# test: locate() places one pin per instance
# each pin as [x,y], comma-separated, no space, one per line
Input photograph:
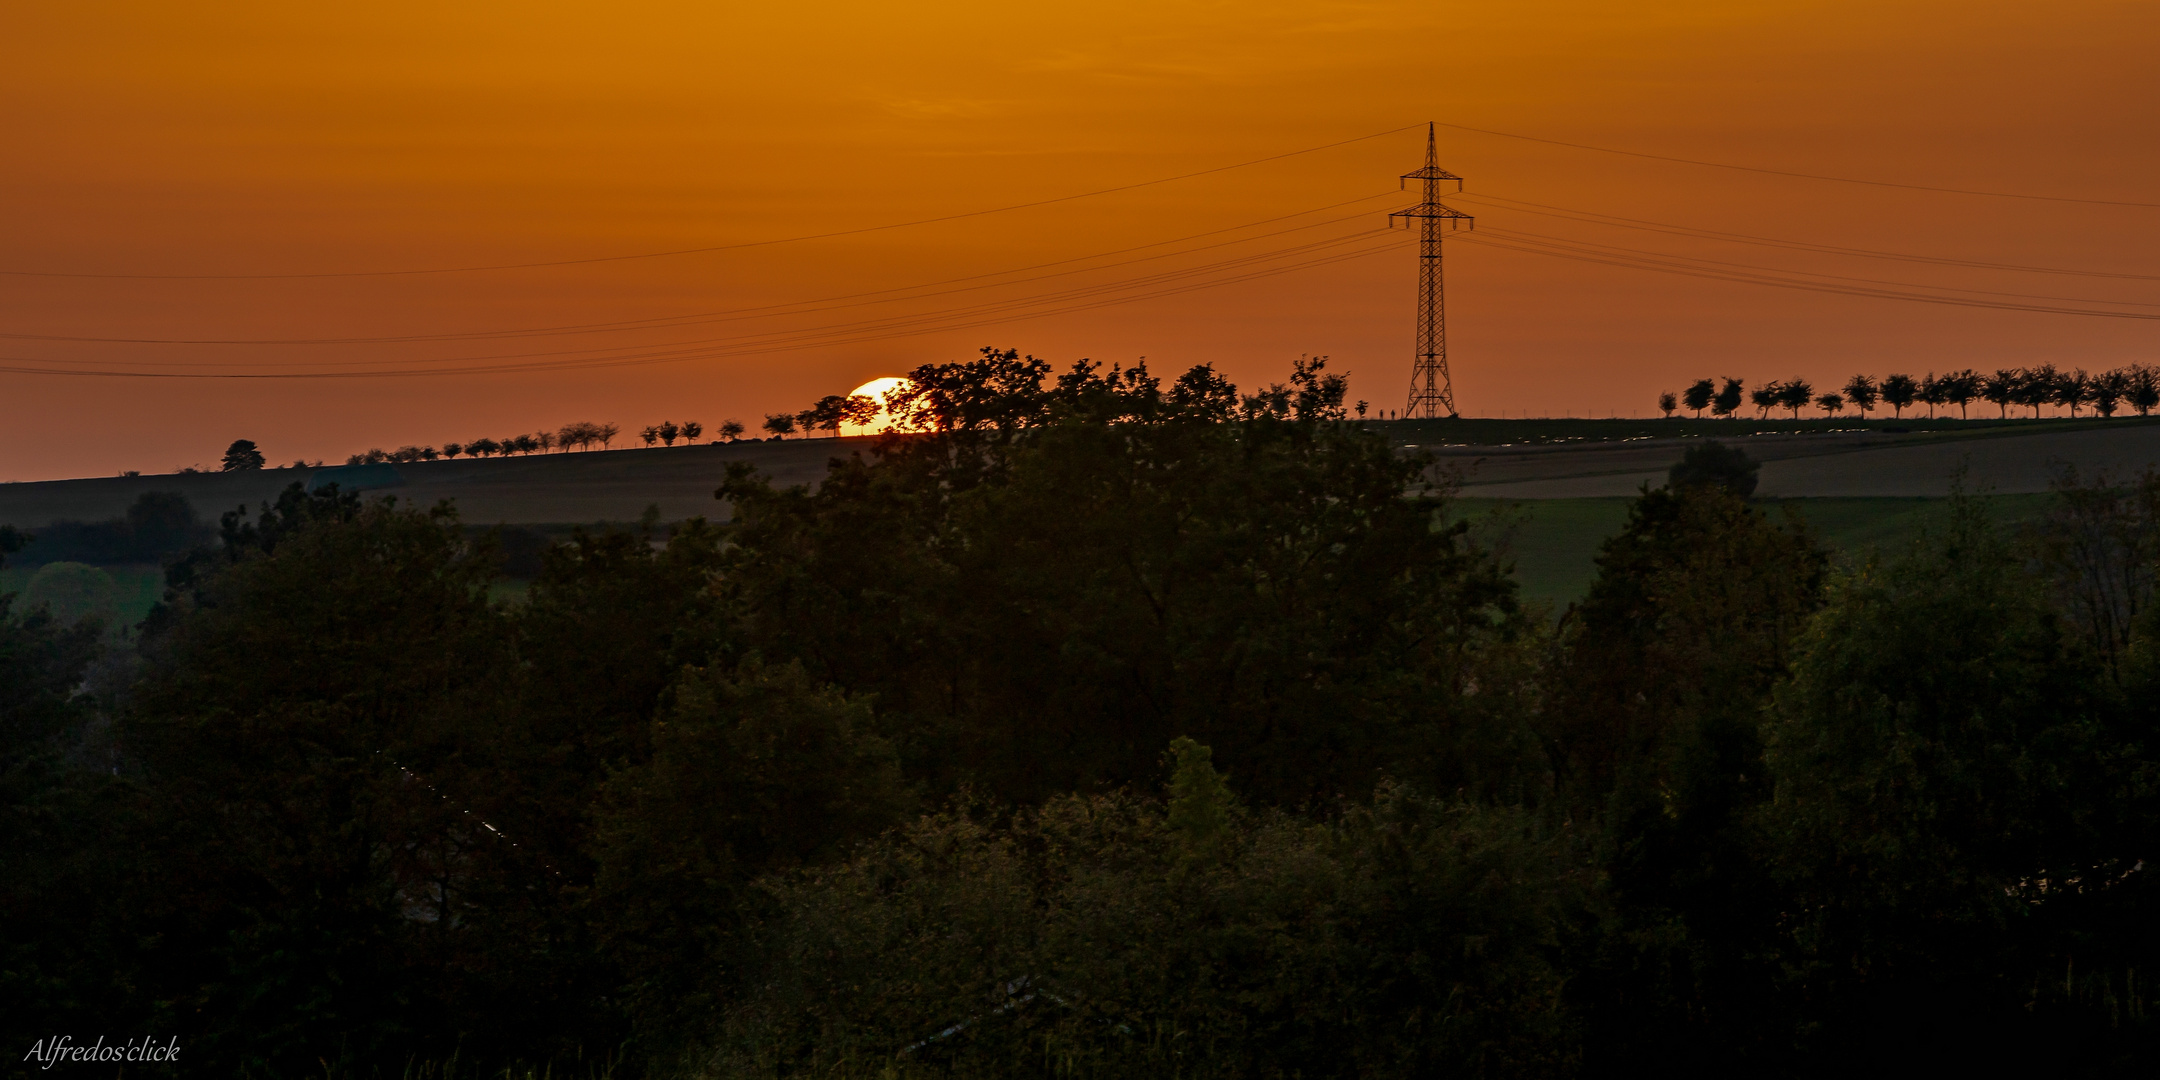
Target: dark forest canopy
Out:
[158,524]
[1105,727]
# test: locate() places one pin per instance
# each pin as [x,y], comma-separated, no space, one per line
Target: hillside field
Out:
[1552,490]
[1553,543]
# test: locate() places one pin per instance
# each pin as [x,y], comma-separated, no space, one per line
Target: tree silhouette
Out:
[731,429]
[1666,403]
[452,450]
[780,425]
[1699,395]
[1863,393]
[2036,388]
[1961,388]
[581,434]
[1830,403]
[607,435]
[692,430]
[2071,389]
[1729,398]
[1898,392]
[2109,388]
[1766,398]
[242,456]
[2144,394]
[860,409]
[2001,389]
[651,434]
[1796,394]
[12,540]
[826,413]
[1713,463]
[668,432]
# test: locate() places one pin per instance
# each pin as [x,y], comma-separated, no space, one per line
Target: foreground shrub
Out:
[1111,935]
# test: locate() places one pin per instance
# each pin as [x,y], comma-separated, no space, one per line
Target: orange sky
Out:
[278,138]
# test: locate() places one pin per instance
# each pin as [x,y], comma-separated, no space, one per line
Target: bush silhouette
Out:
[1714,463]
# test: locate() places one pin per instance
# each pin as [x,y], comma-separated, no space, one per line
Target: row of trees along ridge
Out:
[582,435]
[2136,387]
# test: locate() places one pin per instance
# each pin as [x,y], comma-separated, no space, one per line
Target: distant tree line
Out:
[827,414]
[2136,388]
[1109,725]
[157,524]
[582,435]
[667,431]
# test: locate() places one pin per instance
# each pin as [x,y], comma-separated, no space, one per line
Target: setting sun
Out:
[875,388]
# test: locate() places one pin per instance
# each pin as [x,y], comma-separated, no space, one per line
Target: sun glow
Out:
[875,388]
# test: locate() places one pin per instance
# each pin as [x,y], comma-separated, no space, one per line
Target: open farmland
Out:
[1553,490]
[1553,543]
[1808,460]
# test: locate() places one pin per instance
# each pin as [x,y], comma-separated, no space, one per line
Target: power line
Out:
[1513,234]
[1660,264]
[905,319]
[1207,275]
[1592,217]
[1067,301]
[798,307]
[1801,175]
[716,247]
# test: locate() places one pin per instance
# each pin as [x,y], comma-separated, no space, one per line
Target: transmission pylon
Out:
[1432,392]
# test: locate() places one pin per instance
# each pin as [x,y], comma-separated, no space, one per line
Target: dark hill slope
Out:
[572,488]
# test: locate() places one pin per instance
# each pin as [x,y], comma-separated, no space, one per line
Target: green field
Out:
[1554,542]
[136,588]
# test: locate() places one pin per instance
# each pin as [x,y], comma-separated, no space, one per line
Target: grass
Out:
[1554,542]
[139,587]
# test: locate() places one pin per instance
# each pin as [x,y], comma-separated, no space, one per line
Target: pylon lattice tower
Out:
[1432,392]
